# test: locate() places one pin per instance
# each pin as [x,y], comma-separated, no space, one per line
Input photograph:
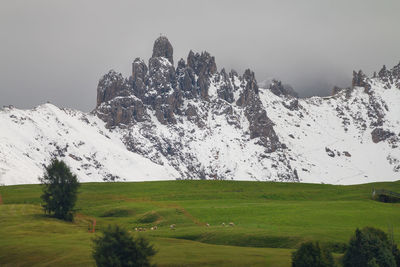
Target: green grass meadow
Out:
[270,221]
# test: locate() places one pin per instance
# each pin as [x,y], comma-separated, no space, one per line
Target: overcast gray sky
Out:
[57,50]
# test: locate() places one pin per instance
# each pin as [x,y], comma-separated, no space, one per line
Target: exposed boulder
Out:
[292,105]
[163,48]
[379,134]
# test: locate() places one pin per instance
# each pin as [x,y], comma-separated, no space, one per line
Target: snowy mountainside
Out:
[195,122]
[330,138]
[30,138]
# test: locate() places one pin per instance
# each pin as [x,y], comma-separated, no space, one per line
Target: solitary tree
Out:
[312,255]
[117,248]
[60,188]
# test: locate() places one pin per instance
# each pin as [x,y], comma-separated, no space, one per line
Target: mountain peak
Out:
[163,48]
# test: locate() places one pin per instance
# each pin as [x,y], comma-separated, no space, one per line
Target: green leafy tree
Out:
[311,255]
[396,254]
[60,189]
[369,247]
[119,249]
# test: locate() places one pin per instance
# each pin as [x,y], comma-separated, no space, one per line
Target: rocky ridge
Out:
[193,121]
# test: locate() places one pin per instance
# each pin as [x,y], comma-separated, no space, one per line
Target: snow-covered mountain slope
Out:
[330,138]
[30,138]
[194,122]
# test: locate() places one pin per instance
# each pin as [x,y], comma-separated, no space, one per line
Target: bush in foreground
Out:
[119,249]
[370,247]
[60,188]
[311,255]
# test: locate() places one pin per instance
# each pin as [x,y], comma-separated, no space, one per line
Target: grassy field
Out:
[271,220]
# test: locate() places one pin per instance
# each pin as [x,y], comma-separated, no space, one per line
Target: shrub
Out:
[369,247]
[119,249]
[311,255]
[60,188]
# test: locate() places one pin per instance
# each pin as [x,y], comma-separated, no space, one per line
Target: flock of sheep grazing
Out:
[173,226]
[140,229]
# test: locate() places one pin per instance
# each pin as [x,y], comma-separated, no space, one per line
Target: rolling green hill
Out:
[270,220]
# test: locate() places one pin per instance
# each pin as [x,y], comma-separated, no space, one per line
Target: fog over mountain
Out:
[57,50]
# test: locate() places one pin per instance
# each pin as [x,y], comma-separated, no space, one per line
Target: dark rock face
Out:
[161,94]
[390,77]
[336,90]
[279,89]
[186,80]
[260,125]
[204,67]
[160,89]
[122,111]
[163,48]
[360,80]
[202,64]
[111,85]
[225,90]
[139,77]
[250,92]
[115,103]
[396,71]
[379,134]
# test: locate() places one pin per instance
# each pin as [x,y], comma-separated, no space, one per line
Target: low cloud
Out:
[57,50]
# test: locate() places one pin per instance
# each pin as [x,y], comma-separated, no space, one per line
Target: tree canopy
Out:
[60,188]
[369,247]
[116,247]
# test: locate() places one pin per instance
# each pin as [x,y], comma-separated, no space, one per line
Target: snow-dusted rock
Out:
[194,122]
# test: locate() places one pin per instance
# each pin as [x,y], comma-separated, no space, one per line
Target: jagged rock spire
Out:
[202,64]
[360,80]
[383,73]
[163,48]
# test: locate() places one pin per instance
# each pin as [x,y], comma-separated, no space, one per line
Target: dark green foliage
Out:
[60,188]
[311,255]
[369,247]
[335,247]
[372,263]
[396,254]
[119,249]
